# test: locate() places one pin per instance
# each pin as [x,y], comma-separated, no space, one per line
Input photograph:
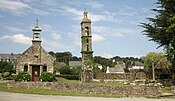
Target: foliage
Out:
[11,77]
[161,28]
[105,62]
[158,59]
[6,74]
[62,56]
[47,77]
[69,77]
[70,70]
[6,67]
[23,76]
[65,70]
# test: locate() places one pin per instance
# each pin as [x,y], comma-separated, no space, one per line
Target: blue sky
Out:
[115,30]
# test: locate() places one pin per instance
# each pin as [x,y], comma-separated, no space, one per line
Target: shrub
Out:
[69,77]
[11,77]
[47,77]
[23,76]
[6,74]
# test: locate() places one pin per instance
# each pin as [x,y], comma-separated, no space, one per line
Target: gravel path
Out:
[6,96]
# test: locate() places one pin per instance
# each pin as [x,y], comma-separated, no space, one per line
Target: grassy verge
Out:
[62,80]
[40,91]
[166,90]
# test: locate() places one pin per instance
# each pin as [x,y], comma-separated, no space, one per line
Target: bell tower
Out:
[86,51]
[36,41]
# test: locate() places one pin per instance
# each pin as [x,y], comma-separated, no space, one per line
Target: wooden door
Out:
[35,73]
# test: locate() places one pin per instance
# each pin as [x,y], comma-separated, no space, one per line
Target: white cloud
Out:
[77,14]
[115,32]
[46,27]
[38,11]
[20,8]
[106,31]
[95,4]
[54,45]
[15,29]
[75,37]
[12,5]
[16,7]
[17,38]
[56,36]
[106,55]
[97,38]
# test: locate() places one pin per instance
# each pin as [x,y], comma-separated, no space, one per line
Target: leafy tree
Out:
[154,61]
[6,67]
[161,28]
[65,70]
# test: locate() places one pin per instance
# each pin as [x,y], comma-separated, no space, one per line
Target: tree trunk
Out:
[153,71]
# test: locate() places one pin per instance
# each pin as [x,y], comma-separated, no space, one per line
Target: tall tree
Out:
[161,28]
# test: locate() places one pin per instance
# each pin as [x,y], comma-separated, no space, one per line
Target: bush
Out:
[6,74]
[23,76]
[70,77]
[11,77]
[47,77]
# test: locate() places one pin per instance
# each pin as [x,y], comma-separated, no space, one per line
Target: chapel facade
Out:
[35,59]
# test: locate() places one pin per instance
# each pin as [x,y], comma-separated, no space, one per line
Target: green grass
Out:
[62,80]
[166,90]
[41,91]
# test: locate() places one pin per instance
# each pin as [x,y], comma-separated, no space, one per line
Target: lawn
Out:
[62,80]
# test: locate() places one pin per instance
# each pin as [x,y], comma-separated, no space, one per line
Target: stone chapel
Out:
[35,59]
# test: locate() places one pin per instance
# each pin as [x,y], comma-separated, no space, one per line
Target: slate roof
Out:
[8,57]
[137,63]
[74,63]
[115,70]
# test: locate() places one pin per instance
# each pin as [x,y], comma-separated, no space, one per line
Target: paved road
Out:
[6,96]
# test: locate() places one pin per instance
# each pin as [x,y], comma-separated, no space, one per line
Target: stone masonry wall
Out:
[134,75]
[146,91]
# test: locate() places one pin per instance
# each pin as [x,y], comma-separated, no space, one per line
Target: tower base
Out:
[86,76]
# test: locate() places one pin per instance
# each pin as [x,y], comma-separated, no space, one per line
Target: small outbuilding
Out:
[35,59]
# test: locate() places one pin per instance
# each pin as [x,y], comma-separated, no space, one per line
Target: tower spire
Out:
[37,22]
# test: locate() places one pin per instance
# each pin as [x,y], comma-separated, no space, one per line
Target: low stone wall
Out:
[131,76]
[146,91]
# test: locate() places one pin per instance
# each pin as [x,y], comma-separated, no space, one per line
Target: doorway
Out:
[35,72]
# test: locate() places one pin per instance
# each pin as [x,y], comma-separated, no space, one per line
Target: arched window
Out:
[86,31]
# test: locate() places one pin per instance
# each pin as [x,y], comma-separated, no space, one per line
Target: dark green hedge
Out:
[47,77]
[69,77]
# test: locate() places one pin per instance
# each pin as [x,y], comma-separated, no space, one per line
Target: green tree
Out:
[154,61]
[161,28]
[6,67]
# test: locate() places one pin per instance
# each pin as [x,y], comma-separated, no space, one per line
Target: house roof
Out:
[75,63]
[137,63]
[115,70]
[11,56]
